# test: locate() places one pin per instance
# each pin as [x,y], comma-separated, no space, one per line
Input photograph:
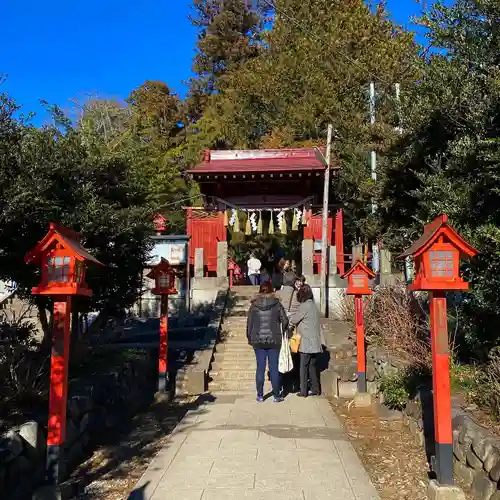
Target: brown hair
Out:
[266,287]
[305,293]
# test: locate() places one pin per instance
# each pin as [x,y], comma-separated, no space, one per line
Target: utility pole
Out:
[373,165]
[399,129]
[324,231]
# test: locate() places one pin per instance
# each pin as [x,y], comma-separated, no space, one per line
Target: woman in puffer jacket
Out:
[266,321]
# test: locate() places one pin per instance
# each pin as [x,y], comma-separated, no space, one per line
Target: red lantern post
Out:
[63,264]
[231,267]
[164,276]
[436,256]
[160,223]
[358,285]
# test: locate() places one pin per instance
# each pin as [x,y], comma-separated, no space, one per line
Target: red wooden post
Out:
[358,285]
[58,395]
[437,260]
[63,265]
[339,240]
[164,276]
[441,388]
[163,356]
[231,266]
[360,343]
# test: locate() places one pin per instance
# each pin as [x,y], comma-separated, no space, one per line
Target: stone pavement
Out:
[231,447]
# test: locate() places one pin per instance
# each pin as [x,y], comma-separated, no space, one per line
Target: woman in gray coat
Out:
[307,319]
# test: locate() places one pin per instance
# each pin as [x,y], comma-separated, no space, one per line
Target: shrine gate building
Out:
[268,182]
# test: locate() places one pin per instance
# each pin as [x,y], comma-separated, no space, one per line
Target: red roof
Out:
[359,266]
[67,237]
[431,232]
[258,160]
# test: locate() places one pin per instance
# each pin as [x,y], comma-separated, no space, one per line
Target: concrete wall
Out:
[204,291]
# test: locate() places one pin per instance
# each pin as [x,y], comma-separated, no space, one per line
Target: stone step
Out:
[234,339]
[239,327]
[234,364]
[236,357]
[233,346]
[243,387]
[236,374]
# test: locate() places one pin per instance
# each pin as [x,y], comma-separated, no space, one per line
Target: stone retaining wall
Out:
[194,378]
[476,451]
[93,410]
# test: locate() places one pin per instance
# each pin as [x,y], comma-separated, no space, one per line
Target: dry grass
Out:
[395,323]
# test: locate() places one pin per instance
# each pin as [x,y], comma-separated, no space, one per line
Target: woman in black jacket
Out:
[266,321]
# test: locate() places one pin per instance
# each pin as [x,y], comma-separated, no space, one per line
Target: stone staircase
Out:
[233,368]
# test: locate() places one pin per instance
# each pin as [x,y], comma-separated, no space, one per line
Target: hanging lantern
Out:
[259,224]
[304,216]
[226,221]
[271,224]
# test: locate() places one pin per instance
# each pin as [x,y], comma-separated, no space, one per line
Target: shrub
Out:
[23,370]
[395,322]
[395,391]
[486,385]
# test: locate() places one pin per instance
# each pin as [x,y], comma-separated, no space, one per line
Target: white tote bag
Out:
[285,362]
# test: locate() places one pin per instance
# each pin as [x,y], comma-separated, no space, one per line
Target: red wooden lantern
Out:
[437,256]
[63,263]
[358,279]
[160,223]
[164,275]
[358,285]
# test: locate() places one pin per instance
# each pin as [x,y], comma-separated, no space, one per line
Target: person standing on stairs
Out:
[288,296]
[307,320]
[266,321]
[253,269]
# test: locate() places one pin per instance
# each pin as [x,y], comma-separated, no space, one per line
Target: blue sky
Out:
[61,50]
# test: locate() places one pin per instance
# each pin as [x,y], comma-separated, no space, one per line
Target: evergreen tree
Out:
[230,33]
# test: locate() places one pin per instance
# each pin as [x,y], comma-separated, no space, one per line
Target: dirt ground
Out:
[113,469]
[396,464]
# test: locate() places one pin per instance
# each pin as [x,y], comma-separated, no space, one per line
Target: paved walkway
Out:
[235,448]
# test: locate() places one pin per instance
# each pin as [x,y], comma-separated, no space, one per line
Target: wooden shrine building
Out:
[267,183]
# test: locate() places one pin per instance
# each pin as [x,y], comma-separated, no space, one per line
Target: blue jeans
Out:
[254,279]
[272,355]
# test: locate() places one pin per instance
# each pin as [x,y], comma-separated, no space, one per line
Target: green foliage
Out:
[448,160]
[23,370]
[394,389]
[51,175]
[230,33]
[398,387]
[313,68]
